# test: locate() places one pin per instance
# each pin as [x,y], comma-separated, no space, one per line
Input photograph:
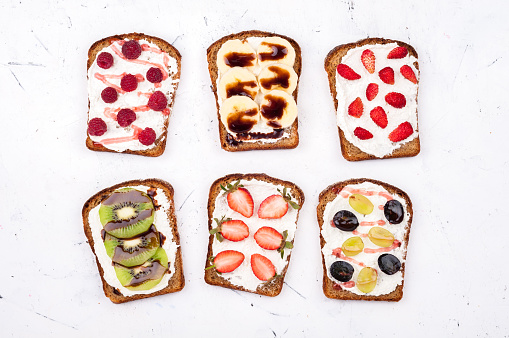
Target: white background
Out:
[457,270]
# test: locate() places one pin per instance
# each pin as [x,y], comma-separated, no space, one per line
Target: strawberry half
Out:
[397,100]
[368,60]
[362,133]
[379,116]
[356,108]
[262,267]
[387,75]
[397,53]
[347,72]
[408,73]
[371,91]
[232,230]
[270,239]
[272,207]
[227,261]
[239,199]
[401,132]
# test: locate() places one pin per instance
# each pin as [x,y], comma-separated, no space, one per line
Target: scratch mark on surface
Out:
[42,44]
[491,64]
[205,19]
[186,200]
[17,79]
[178,37]
[295,290]
[274,333]
[244,14]
[72,327]
[12,63]
[461,61]
[70,22]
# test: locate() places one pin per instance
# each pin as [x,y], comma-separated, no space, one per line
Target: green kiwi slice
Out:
[126,213]
[132,251]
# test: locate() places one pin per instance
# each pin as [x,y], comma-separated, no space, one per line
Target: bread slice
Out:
[272,287]
[176,281]
[335,56]
[331,288]
[227,141]
[159,145]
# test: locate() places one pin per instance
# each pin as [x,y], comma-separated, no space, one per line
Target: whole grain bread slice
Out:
[177,281]
[227,141]
[274,286]
[328,195]
[349,151]
[95,49]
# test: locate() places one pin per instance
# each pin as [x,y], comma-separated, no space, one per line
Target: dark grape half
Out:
[341,270]
[345,220]
[393,211]
[389,264]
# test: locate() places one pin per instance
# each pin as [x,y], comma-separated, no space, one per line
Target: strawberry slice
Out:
[227,261]
[356,108]
[347,72]
[362,133]
[408,73]
[379,116]
[397,53]
[274,206]
[387,75]
[270,239]
[239,199]
[371,91]
[397,100]
[262,267]
[368,60]
[403,131]
[232,230]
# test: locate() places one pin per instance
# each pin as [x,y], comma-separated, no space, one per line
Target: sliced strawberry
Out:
[272,207]
[347,72]
[234,230]
[227,261]
[397,100]
[262,267]
[368,60]
[268,238]
[408,73]
[401,132]
[379,116]
[239,199]
[371,91]
[362,133]
[397,53]
[387,75]
[356,108]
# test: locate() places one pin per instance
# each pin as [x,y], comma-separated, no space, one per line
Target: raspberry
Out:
[125,117]
[154,75]
[97,127]
[147,136]
[105,60]
[157,101]
[129,83]
[109,95]
[131,49]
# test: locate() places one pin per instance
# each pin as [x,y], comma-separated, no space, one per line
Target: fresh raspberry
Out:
[131,49]
[97,127]
[105,60]
[387,75]
[109,95]
[362,133]
[371,91]
[379,116]
[356,108]
[125,117]
[408,73]
[147,136]
[368,60]
[397,53]
[401,132]
[347,72]
[397,100]
[154,75]
[129,83]
[157,101]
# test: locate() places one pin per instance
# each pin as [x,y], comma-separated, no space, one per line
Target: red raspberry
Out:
[157,101]
[131,49]
[147,136]
[362,133]
[125,117]
[154,75]
[105,60]
[109,95]
[129,83]
[97,127]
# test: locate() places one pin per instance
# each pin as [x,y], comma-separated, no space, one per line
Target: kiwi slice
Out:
[146,275]
[132,251]
[126,213]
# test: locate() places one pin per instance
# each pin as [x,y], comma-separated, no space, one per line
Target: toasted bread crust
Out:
[273,287]
[177,281]
[349,151]
[328,195]
[284,143]
[95,49]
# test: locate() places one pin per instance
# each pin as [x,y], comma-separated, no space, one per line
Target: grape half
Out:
[393,211]
[341,270]
[381,237]
[352,246]
[389,264]
[366,281]
[345,220]
[361,204]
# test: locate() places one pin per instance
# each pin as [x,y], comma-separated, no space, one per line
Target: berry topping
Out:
[356,108]
[347,72]
[262,267]
[342,271]
[232,230]
[345,220]
[157,101]
[227,261]
[105,60]
[368,60]
[362,133]
[97,127]
[389,264]
[239,199]
[387,75]
[131,49]
[371,91]
[125,117]
[379,116]
[396,100]
[154,75]
[270,239]
[272,207]
[408,73]
[109,95]
[129,83]
[397,53]
[401,132]
[393,211]
[147,136]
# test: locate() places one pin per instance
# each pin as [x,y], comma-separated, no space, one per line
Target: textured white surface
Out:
[456,276]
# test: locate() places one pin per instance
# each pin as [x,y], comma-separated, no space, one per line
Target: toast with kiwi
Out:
[132,230]
[255,78]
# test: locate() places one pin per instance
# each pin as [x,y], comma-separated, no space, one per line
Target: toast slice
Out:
[379,145]
[155,53]
[286,138]
[260,186]
[336,198]
[161,193]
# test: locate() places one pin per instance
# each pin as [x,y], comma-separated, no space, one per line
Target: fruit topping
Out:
[387,75]
[362,133]
[368,60]
[381,237]
[147,136]
[144,276]
[345,220]
[408,73]
[239,114]
[352,246]
[154,75]
[379,116]
[227,261]
[129,83]
[371,91]
[356,108]
[278,76]
[270,239]
[366,281]
[397,100]
[397,53]
[347,72]
[109,95]
[131,49]
[232,230]
[389,264]
[272,207]
[393,211]
[97,127]
[239,199]
[262,267]
[361,204]
[403,131]
[278,109]
[125,117]
[105,60]
[342,271]
[157,101]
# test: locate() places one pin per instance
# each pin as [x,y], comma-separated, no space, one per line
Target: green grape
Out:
[366,281]
[352,246]
[361,204]
[381,237]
